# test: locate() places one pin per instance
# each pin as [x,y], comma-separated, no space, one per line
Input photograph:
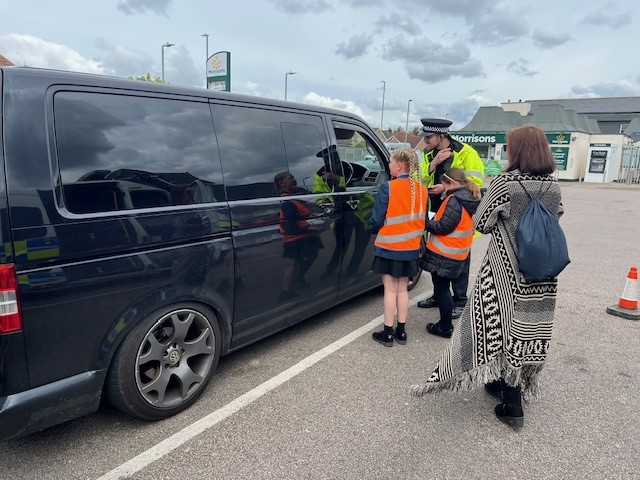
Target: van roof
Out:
[93,79]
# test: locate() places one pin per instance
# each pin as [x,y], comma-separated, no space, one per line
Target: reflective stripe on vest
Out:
[302,212]
[401,230]
[457,244]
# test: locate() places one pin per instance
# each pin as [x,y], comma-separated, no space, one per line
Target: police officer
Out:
[441,153]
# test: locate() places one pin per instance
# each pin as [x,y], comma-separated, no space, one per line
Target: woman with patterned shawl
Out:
[505,330]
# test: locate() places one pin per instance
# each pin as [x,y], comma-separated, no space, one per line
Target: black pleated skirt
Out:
[395,268]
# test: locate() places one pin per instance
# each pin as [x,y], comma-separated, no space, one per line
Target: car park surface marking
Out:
[161,449]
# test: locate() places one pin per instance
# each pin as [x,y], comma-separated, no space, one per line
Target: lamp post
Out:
[384,88]
[206,60]
[162,51]
[406,128]
[447,115]
[285,82]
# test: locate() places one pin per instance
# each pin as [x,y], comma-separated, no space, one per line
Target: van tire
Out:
[413,281]
[176,349]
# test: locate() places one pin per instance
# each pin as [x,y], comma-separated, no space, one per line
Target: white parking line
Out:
[161,449]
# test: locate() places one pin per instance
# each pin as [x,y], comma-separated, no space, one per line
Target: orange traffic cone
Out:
[627,306]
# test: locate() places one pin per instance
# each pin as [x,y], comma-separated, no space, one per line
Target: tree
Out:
[147,78]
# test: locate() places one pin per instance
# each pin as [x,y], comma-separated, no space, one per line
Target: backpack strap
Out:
[539,195]
[530,200]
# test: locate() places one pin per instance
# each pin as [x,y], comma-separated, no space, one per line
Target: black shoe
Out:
[428,303]
[435,329]
[495,388]
[401,338]
[385,339]
[456,312]
[512,415]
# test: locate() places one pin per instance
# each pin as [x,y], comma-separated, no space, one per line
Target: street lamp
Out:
[285,82]
[406,128]
[162,51]
[206,60]
[384,88]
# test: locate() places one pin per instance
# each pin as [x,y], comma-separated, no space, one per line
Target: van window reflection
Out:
[106,144]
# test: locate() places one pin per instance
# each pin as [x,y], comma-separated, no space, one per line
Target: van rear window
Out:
[120,152]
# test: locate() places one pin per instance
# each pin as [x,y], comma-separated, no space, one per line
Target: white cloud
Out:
[437,53]
[33,51]
[131,7]
[313,98]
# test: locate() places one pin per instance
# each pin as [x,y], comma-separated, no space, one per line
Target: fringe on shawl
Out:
[525,377]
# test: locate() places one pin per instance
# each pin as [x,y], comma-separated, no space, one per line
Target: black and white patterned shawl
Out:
[505,329]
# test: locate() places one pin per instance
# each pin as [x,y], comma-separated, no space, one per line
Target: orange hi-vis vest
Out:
[457,244]
[402,230]
[303,213]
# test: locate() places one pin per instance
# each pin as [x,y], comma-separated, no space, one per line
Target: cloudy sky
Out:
[447,57]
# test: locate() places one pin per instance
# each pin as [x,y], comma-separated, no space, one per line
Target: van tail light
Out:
[10,319]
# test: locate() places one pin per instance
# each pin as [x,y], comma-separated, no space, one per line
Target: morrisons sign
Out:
[479,138]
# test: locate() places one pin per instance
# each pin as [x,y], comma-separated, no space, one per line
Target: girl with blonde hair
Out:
[398,217]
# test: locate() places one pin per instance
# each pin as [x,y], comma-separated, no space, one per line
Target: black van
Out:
[149,229]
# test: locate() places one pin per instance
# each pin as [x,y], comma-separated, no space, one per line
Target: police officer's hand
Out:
[437,189]
[441,156]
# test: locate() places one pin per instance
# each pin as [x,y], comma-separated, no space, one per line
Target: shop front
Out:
[490,147]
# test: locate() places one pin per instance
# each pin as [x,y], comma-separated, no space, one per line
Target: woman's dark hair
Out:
[528,151]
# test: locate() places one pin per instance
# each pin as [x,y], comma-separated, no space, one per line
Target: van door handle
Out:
[328,207]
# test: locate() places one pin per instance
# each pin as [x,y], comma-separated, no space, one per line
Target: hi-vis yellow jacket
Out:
[465,157]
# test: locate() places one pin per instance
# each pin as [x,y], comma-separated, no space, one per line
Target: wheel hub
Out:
[173,356]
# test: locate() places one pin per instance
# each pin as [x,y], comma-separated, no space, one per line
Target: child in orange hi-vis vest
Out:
[449,243]
[399,218]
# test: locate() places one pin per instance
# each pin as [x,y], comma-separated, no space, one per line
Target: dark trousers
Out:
[460,284]
[445,302]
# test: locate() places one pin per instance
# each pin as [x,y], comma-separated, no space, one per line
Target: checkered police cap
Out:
[432,126]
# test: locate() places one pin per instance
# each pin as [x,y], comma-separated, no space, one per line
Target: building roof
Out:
[555,118]
[493,119]
[633,127]
[550,118]
[4,62]
[598,105]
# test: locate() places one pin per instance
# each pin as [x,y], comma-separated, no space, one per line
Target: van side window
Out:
[256,144]
[358,149]
[362,161]
[118,152]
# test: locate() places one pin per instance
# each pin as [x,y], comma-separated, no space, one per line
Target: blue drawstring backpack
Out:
[542,246]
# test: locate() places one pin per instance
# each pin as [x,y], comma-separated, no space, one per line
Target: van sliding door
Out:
[364,167]
[281,187]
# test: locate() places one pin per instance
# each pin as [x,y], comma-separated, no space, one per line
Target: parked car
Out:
[149,229]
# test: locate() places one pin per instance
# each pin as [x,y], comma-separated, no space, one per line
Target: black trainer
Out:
[456,312]
[383,338]
[428,303]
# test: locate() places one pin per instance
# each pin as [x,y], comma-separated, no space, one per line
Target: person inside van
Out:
[328,179]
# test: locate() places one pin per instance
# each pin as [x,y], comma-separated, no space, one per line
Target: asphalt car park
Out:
[322,400]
